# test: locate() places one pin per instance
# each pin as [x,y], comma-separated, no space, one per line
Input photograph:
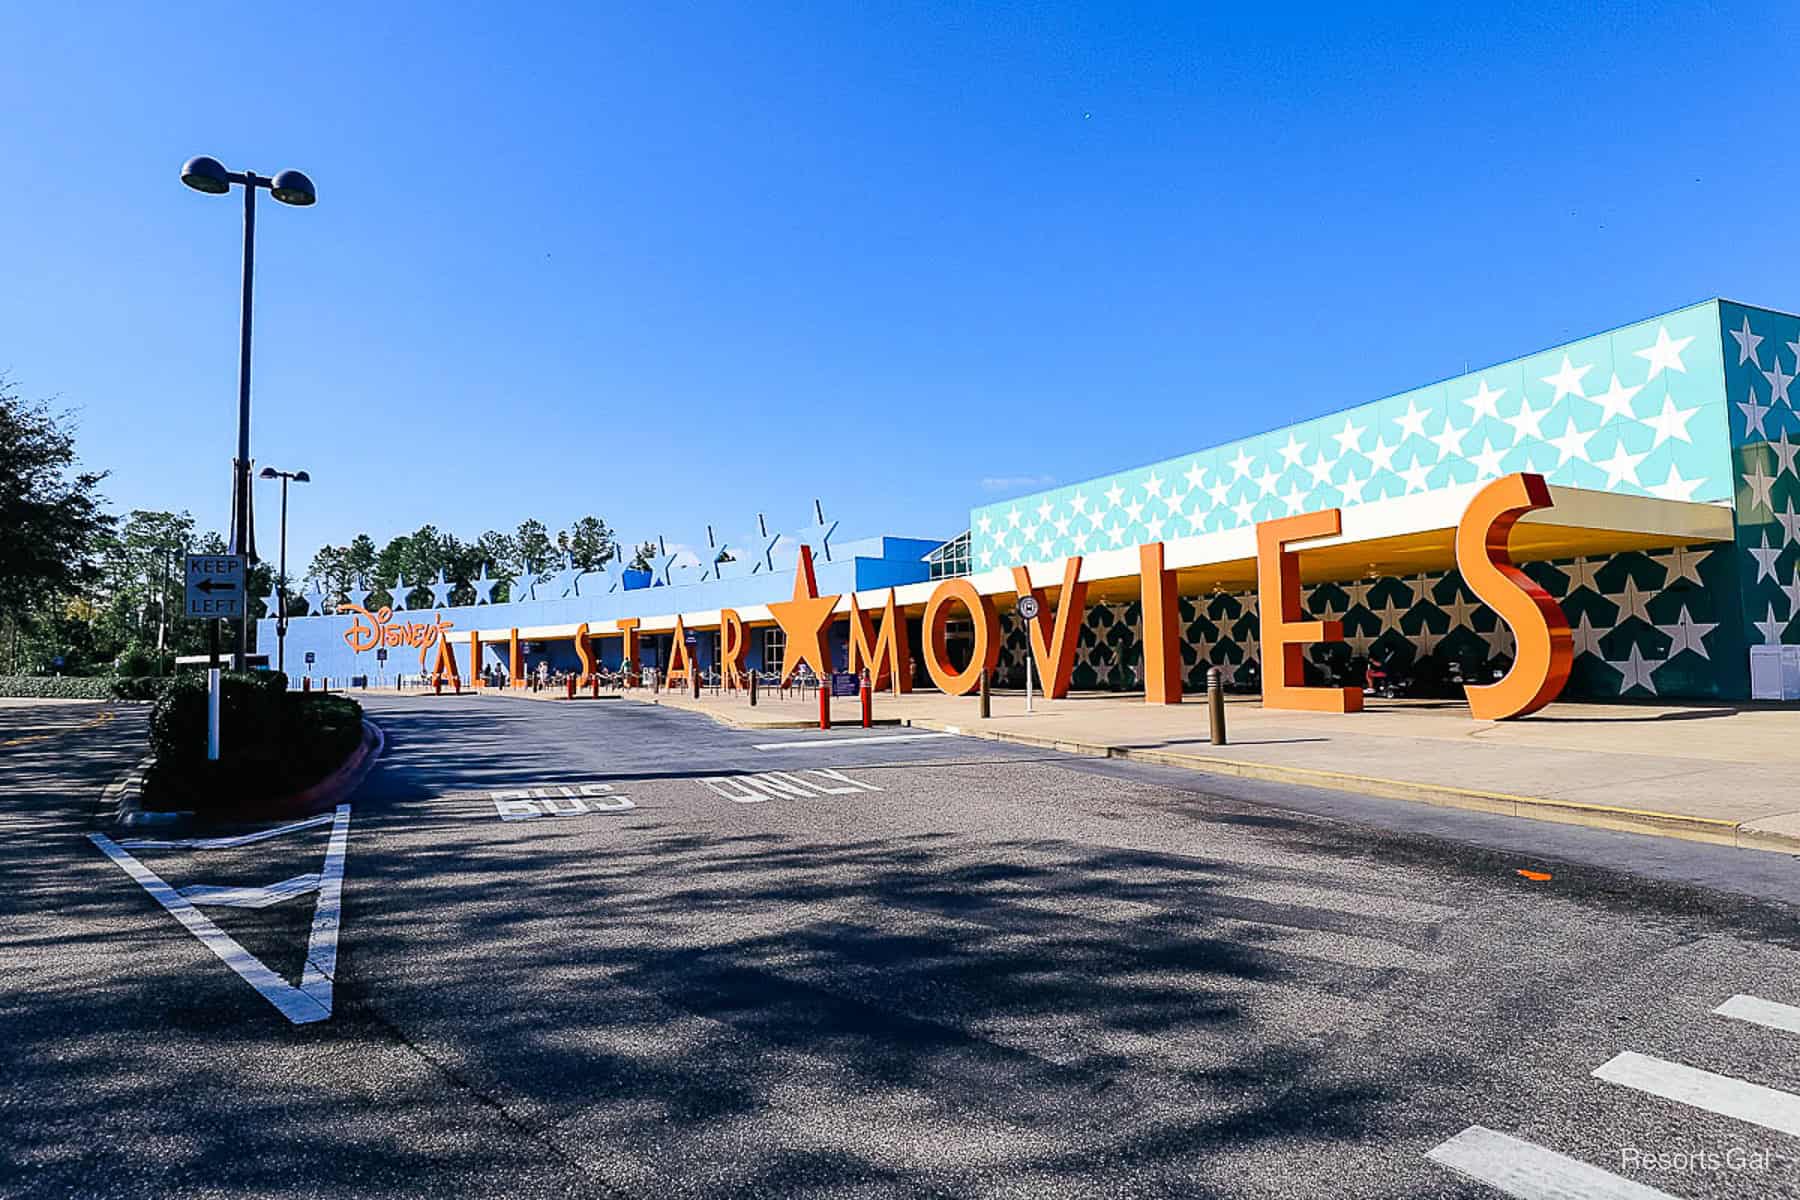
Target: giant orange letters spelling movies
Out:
[1546,651]
[987,636]
[806,620]
[1162,641]
[732,644]
[1284,634]
[889,656]
[1055,655]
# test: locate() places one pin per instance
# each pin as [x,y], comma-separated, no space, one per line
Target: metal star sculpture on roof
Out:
[758,558]
[358,594]
[484,587]
[806,621]
[611,577]
[315,603]
[818,534]
[440,591]
[397,594]
[565,582]
[662,564]
[272,603]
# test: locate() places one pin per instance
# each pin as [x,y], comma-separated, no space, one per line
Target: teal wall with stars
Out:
[1761,359]
[1653,408]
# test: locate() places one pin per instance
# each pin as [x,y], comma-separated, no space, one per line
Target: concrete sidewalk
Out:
[1713,773]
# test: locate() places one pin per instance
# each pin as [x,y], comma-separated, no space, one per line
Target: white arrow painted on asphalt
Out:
[303,1004]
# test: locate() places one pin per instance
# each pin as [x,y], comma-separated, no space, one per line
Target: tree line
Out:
[529,554]
[84,590]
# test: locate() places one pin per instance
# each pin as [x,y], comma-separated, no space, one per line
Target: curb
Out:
[1567,812]
[733,722]
[125,795]
[335,787]
[1533,808]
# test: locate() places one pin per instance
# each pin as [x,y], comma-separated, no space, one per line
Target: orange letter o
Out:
[987,636]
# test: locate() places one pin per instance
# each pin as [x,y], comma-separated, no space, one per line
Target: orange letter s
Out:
[1545,650]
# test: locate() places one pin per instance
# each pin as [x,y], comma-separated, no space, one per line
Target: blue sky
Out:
[674,267]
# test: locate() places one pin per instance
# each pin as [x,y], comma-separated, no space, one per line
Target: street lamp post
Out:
[209,175]
[281,575]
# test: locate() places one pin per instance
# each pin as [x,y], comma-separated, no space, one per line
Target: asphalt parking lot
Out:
[612,950]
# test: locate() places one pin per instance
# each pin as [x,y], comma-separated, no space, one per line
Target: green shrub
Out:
[272,742]
[56,687]
[136,687]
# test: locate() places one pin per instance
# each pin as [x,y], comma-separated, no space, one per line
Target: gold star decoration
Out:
[806,621]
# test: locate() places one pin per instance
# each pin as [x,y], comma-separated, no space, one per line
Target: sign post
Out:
[212,714]
[1028,612]
[215,591]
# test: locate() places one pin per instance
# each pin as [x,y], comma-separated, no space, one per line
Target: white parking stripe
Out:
[249,897]
[1784,1017]
[225,843]
[1720,1094]
[1530,1172]
[850,741]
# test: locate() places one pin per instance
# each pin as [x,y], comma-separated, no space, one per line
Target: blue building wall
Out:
[876,562]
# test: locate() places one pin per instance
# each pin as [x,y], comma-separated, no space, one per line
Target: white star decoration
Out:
[1571,444]
[1412,421]
[1666,353]
[1675,487]
[1766,557]
[1636,671]
[1527,422]
[1621,467]
[1778,385]
[1688,634]
[1671,422]
[1615,401]
[1747,343]
[1483,403]
[1567,379]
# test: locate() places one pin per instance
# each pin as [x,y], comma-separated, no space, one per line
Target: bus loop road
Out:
[606,949]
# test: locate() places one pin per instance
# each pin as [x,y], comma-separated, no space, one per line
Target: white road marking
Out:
[764,786]
[523,804]
[249,897]
[1530,1172]
[851,741]
[1784,1017]
[311,1000]
[1720,1094]
[245,839]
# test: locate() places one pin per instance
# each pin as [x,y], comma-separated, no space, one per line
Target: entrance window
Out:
[774,649]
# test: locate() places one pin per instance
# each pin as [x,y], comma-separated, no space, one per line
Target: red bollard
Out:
[824,708]
[594,684]
[571,687]
[437,685]
[306,683]
[867,701]
[456,684]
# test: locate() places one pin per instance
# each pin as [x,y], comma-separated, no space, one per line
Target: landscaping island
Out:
[275,746]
